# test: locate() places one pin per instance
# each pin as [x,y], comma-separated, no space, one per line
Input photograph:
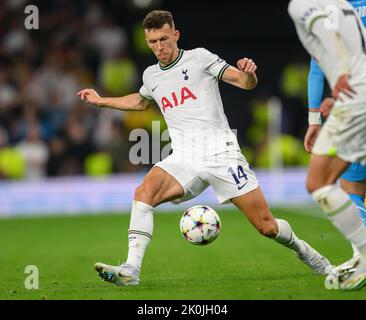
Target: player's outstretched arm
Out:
[244,77]
[131,102]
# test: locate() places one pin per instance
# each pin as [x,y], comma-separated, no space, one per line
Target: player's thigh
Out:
[230,176]
[324,170]
[158,186]
[188,177]
[255,207]
[233,181]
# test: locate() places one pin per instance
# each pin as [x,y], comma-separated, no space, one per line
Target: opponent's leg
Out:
[254,206]
[351,182]
[323,173]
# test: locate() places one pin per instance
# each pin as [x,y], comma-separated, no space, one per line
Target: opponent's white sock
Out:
[287,237]
[140,232]
[343,213]
[355,250]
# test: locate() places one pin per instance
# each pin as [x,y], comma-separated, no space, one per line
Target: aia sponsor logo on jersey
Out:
[177,99]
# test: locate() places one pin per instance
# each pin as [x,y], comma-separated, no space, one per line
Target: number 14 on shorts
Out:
[239,176]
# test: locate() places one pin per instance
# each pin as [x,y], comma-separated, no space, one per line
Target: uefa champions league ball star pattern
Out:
[200,225]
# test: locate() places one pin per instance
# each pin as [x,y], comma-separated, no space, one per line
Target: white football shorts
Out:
[228,174]
[344,134]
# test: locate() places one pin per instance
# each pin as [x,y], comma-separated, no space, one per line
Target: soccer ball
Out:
[200,225]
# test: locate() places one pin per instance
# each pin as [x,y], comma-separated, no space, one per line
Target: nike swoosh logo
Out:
[240,187]
[153,89]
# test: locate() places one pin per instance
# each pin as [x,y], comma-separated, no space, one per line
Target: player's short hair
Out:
[157,19]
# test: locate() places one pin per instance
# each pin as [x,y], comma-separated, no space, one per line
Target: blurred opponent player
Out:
[324,28]
[353,180]
[184,85]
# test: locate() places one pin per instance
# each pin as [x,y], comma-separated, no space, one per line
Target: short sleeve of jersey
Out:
[144,91]
[305,12]
[212,63]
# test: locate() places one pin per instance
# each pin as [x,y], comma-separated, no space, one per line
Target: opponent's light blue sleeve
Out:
[315,85]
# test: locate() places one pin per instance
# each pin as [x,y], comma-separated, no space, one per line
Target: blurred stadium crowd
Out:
[77,45]
[44,129]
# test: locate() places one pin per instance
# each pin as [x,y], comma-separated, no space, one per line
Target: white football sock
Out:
[355,250]
[340,209]
[287,237]
[140,232]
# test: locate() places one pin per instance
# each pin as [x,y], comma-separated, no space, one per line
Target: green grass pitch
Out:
[239,265]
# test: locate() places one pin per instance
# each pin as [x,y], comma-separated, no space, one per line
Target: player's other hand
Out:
[247,65]
[311,136]
[343,86]
[90,95]
[327,106]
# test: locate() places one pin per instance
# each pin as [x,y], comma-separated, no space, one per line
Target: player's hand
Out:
[311,136]
[327,106]
[247,65]
[342,86]
[90,95]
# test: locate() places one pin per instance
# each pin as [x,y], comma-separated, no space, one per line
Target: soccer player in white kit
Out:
[184,84]
[332,32]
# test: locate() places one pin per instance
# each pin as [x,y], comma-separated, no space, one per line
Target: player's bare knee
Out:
[312,185]
[139,192]
[144,194]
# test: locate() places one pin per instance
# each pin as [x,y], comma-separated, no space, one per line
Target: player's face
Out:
[163,42]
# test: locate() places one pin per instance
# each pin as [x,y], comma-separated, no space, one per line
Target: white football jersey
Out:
[187,93]
[341,17]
